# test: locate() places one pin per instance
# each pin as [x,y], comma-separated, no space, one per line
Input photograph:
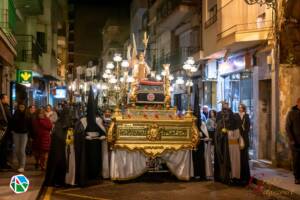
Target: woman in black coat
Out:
[244,126]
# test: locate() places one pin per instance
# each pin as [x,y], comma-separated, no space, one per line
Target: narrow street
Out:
[150,99]
[159,190]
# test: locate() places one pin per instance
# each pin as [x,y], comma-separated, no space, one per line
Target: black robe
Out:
[225,119]
[198,156]
[88,157]
[244,126]
[57,161]
[56,165]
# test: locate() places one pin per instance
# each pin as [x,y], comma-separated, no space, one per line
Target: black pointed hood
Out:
[96,100]
[91,113]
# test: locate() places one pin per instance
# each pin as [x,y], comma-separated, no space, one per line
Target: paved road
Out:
[158,190]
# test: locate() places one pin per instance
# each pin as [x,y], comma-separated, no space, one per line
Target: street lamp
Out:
[179,80]
[171,77]
[110,65]
[189,68]
[158,77]
[269,3]
[117,57]
[125,64]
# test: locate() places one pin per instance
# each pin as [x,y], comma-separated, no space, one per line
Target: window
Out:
[41,39]
[212,11]
[211,15]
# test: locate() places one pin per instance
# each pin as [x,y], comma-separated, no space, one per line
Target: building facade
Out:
[175,35]
[39,35]
[7,44]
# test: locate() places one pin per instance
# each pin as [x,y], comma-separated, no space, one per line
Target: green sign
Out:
[24,76]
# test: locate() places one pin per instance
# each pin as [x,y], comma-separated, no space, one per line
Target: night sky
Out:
[90,17]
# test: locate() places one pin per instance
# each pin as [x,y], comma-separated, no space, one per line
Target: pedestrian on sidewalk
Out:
[58,161]
[51,114]
[211,124]
[244,126]
[41,143]
[31,115]
[5,135]
[20,135]
[293,133]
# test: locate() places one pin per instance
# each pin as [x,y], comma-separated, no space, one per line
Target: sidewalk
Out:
[35,178]
[274,181]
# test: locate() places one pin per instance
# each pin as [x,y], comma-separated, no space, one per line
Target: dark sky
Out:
[90,17]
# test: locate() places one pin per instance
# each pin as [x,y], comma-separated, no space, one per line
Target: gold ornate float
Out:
[148,124]
[152,133]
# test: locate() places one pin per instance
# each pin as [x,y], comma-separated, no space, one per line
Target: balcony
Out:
[211,21]
[30,7]
[28,49]
[176,58]
[171,13]
[242,28]
[8,24]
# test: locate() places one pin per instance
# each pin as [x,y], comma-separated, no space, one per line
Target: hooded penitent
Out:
[56,168]
[91,116]
[88,149]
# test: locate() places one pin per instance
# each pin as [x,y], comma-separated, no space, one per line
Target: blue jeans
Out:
[20,142]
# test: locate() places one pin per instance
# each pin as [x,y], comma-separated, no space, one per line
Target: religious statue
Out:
[140,69]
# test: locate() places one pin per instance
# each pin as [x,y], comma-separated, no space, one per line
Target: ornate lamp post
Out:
[189,69]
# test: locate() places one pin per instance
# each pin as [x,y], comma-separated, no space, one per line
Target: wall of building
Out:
[289,87]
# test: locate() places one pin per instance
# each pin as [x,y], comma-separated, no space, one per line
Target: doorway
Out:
[265,116]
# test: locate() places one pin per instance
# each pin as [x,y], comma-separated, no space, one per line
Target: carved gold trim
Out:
[153,138]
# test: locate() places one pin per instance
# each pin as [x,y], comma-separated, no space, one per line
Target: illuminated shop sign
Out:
[232,65]
[24,77]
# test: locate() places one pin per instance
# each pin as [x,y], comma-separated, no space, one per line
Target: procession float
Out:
[145,127]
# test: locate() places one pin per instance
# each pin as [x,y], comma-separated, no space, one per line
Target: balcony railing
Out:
[7,21]
[168,6]
[28,49]
[211,21]
[247,27]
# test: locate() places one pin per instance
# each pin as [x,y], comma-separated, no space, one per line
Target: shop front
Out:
[235,80]
[209,84]
[236,83]
[29,88]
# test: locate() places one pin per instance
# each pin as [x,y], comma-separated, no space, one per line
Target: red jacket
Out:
[42,128]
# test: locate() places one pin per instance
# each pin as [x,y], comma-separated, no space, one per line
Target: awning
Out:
[50,78]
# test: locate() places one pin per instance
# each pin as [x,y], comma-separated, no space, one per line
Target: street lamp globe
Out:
[125,64]
[171,77]
[105,75]
[107,71]
[193,69]
[122,79]
[98,86]
[179,80]
[158,77]
[117,57]
[186,66]
[113,80]
[110,65]
[190,61]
